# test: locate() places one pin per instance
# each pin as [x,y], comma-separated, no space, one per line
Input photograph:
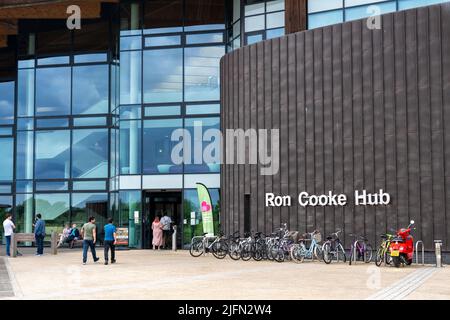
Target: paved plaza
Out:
[146,274]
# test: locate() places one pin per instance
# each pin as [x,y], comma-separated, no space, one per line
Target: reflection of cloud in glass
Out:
[53,91]
[90,90]
[7,99]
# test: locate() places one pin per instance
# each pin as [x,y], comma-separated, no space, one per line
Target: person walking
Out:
[89,235]
[166,222]
[39,234]
[157,233]
[8,227]
[110,241]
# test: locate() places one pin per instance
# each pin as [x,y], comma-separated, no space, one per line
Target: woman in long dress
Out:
[157,233]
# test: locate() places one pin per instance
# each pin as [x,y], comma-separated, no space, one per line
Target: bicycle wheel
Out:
[318,253]
[197,248]
[379,258]
[340,253]
[246,252]
[220,249]
[351,257]
[277,253]
[234,252]
[368,253]
[297,254]
[327,254]
[257,252]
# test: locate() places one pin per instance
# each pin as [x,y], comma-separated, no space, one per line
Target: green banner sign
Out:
[206,209]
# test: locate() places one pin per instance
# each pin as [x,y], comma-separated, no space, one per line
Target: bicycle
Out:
[383,254]
[299,252]
[333,248]
[362,248]
[200,245]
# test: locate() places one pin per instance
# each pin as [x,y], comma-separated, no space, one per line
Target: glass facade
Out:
[322,13]
[87,116]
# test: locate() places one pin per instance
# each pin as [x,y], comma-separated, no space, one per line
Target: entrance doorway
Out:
[157,203]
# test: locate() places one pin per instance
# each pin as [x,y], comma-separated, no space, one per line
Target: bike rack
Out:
[355,259]
[423,252]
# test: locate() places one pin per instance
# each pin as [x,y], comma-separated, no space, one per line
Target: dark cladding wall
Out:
[357,109]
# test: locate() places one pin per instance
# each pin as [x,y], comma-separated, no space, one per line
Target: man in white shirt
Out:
[8,227]
[166,221]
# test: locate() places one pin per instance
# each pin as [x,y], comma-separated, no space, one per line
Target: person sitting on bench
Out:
[73,236]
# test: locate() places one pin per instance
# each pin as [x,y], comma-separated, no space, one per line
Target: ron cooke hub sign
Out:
[361,198]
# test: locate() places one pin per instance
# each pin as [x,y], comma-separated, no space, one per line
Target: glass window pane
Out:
[254,38]
[255,8]
[25,93]
[130,147]
[22,64]
[204,38]
[54,208]
[25,124]
[275,20]
[275,5]
[236,10]
[131,43]
[24,213]
[130,77]
[318,20]
[363,12]
[320,5]
[90,89]
[6,131]
[89,122]
[5,208]
[7,102]
[408,4]
[89,185]
[275,33]
[52,154]
[53,91]
[52,123]
[5,188]
[90,153]
[92,57]
[202,73]
[213,146]
[129,203]
[85,205]
[24,186]
[24,156]
[162,41]
[6,158]
[158,146]
[195,109]
[130,112]
[351,3]
[51,186]
[162,111]
[254,23]
[163,77]
[53,60]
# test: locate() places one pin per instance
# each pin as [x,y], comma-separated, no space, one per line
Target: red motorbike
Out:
[402,246]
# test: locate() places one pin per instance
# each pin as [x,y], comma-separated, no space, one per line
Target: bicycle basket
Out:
[293,235]
[317,236]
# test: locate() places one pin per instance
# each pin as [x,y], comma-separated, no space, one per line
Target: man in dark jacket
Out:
[39,234]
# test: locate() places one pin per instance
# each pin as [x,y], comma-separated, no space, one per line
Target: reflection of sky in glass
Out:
[7,100]
[202,73]
[90,89]
[163,70]
[53,91]
[6,159]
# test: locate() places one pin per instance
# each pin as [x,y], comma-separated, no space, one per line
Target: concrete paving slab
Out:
[161,275]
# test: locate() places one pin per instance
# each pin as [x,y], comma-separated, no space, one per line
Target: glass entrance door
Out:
[159,203]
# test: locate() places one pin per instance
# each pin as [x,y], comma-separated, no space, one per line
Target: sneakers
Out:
[96,259]
[113,261]
[84,263]
[106,263]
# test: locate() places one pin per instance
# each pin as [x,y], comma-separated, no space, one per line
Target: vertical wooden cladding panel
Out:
[357,109]
[295,15]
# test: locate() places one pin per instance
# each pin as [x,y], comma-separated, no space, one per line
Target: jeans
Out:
[110,244]
[40,244]
[8,245]
[86,245]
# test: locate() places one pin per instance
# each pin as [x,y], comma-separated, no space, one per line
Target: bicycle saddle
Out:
[329,238]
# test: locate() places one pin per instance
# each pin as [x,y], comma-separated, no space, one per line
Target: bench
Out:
[29,237]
